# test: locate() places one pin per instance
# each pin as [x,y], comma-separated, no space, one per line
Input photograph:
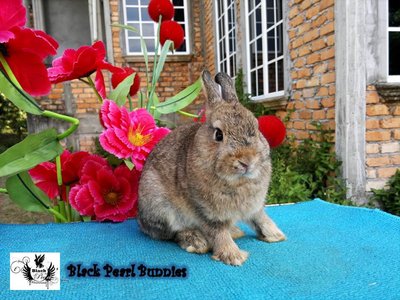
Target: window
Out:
[136,15]
[264,48]
[226,36]
[393,41]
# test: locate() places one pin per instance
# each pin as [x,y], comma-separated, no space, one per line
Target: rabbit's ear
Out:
[211,88]
[227,87]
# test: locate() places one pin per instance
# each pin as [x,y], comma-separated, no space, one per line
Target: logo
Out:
[34,271]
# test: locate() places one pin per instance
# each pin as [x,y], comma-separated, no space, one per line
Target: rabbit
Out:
[202,178]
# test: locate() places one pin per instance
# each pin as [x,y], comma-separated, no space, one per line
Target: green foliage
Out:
[258,109]
[12,120]
[389,198]
[308,170]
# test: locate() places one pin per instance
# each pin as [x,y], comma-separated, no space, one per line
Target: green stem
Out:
[73,121]
[63,211]
[9,72]
[186,114]
[153,83]
[3,191]
[130,102]
[58,169]
[93,86]
[57,215]
[68,205]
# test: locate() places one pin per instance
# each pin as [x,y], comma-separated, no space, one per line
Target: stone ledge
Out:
[278,102]
[170,58]
[390,92]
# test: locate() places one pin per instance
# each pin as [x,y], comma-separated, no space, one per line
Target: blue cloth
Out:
[332,252]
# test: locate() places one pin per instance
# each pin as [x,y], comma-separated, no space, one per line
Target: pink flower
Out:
[12,14]
[25,53]
[45,175]
[75,64]
[120,74]
[129,134]
[106,194]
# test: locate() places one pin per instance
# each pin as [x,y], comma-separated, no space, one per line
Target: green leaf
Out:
[26,194]
[180,100]
[129,164]
[20,99]
[126,27]
[161,62]
[120,94]
[33,150]
[156,101]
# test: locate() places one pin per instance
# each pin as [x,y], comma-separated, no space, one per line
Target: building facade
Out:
[318,60]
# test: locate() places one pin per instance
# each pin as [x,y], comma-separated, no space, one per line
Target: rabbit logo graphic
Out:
[32,271]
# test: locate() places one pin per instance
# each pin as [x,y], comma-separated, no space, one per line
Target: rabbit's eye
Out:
[218,135]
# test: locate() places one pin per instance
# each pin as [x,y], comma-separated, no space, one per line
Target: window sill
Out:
[390,92]
[278,102]
[170,58]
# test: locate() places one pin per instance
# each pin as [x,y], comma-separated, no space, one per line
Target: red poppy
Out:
[45,175]
[12,14]
[272,129]
[163,8]
[106,194]
[171,30]
[119,75]
[25,54]
[75,64]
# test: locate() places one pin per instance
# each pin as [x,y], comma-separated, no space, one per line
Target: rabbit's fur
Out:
[195,186]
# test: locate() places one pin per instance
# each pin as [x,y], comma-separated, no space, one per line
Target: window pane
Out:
[260,81]
[252,55]
[150,45]
[279,41]
[148,30]
[394,13]
[254,83]
[179,15]
[280,75]
[394,46]
[144,2]
[145,15]
[132,14]
[270,13]
[132,2]
[258,21]
[278,8]
[271,78]
[177,2]
[136,26]
[134,45]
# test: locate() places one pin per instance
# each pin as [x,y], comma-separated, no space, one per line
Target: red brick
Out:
[310,35]
[328,28]
[313,58]
[372,124]
[319,115]
[372,97]
[377,161]
[328,102]
[328,78]
[326,3]
[391,123]
[308,93]
[317,45]
[312,12]
[377,110]
[313,104]
[323,91]
[386,172]
[375,136]
[327,54]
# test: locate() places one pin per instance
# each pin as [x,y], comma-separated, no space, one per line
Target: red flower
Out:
[120,74]
[25,54]
[12,14]
[202,116]
[161,7]
[45,175]
[171,30]
[106,194]
[272,129]
[75,64]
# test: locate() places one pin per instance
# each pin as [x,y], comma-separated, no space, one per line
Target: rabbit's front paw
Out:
[234,257]
[273,235]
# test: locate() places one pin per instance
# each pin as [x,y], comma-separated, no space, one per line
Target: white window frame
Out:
[264,32]
[390,78]
[140,6]
[228,53]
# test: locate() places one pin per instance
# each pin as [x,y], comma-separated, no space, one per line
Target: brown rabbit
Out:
[203,178]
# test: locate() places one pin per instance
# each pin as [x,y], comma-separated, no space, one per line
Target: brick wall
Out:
[312,53]
[383,139]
